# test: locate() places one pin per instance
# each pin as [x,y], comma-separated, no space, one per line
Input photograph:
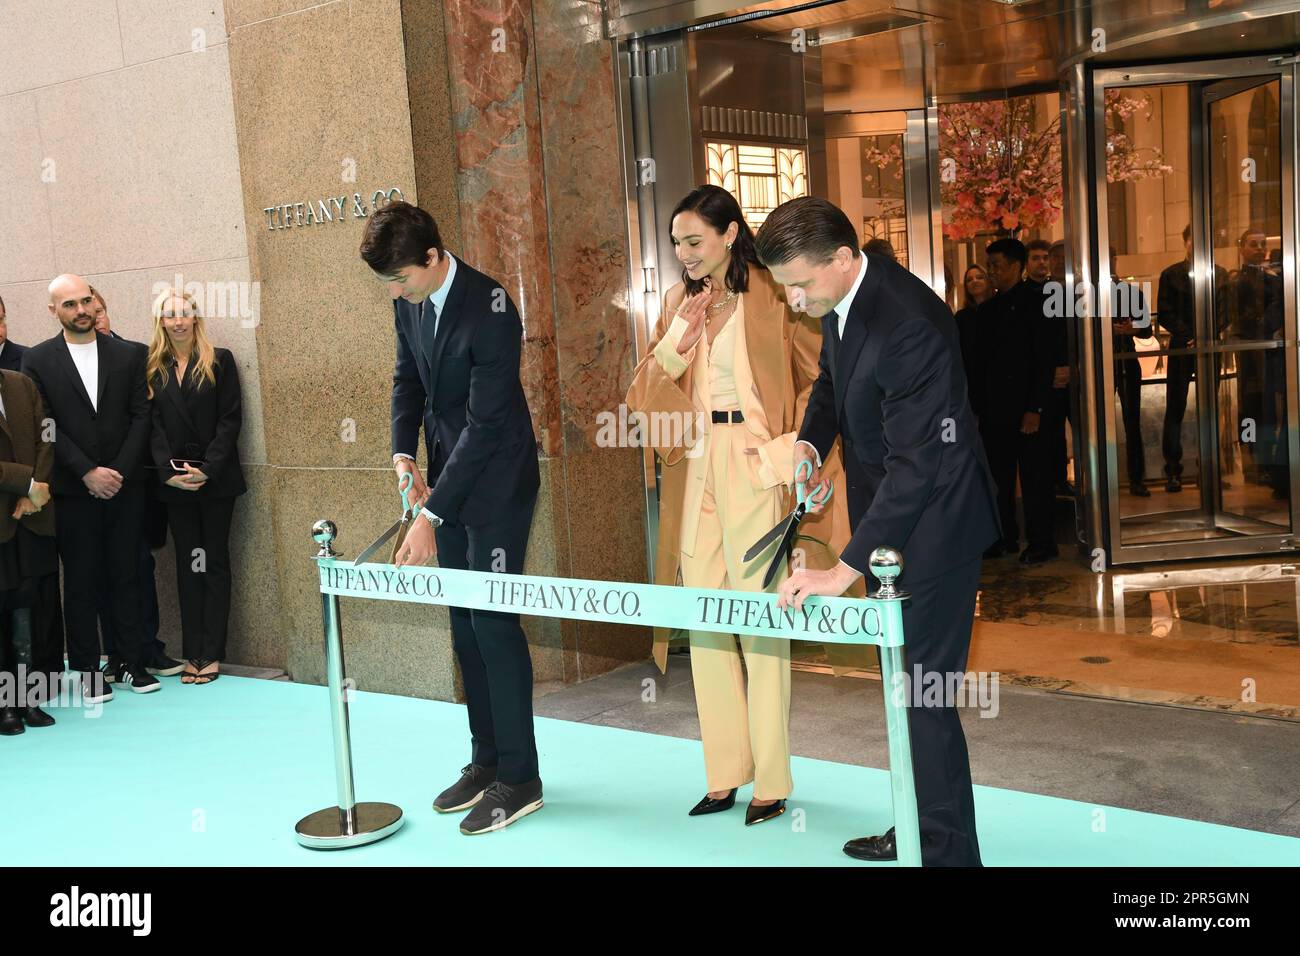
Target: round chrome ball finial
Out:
[886,564]
[323,532]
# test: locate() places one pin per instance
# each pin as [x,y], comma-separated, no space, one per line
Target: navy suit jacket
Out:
[463,386]
[895,391]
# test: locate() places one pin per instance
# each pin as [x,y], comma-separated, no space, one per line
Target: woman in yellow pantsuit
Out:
[724,384]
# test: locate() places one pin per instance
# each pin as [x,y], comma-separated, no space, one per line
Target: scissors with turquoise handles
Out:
[789,525]
[401,524]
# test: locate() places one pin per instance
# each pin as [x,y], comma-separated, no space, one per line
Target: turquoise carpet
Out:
[219,775]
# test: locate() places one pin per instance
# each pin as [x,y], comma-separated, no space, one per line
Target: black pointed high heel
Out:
[709,805]
[755,814]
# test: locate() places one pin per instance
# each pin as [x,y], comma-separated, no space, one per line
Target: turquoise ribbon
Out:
[826,620]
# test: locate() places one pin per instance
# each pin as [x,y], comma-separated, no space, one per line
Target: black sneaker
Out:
[110,668]
[163,666]
[138,679]
[502,805]
[466,791]
[94,687]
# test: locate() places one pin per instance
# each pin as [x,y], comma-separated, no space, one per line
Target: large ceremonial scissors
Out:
[786,528]
[399,526]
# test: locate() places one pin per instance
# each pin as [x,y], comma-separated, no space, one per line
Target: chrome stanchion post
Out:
[886,564]
[350,823]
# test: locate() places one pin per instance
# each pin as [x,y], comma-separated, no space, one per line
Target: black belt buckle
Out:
[728,418]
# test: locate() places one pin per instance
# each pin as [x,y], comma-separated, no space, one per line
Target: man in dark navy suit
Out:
[457,373]
[893,390]
[11,353]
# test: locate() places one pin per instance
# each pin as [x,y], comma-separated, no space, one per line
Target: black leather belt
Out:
[728,418]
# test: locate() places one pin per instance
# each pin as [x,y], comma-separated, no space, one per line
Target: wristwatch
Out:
[433,519]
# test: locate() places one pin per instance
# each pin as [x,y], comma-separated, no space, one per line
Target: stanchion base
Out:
[323,830]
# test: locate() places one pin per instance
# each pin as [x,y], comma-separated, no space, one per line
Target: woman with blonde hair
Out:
[730,355]
[197,412]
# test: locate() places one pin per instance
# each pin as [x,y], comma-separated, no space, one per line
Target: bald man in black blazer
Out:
[101,434]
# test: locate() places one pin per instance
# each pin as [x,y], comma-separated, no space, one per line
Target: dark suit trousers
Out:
[1128,382]
[101,538]
[937,621]
[1179,374]
[149,615]
[490,646]
[1055,415]
[1009,451]
[203,587]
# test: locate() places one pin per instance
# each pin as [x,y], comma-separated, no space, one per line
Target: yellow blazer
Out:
[775,366]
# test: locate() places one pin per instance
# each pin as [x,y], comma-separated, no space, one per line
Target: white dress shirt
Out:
[86,358]
[842,313]
[438,299]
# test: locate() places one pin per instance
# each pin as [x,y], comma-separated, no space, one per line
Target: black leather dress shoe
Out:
[873,848]
[1138,490]
[709,805]
[11,721]
[754,814]
[35,717]
[1038,555]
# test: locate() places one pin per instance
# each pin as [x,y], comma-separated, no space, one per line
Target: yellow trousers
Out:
[746,732]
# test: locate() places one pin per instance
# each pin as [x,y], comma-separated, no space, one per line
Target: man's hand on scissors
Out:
[803,451]
[419,490]
[419,545]
[803,582]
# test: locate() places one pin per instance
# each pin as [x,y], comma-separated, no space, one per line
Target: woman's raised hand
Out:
[693,311]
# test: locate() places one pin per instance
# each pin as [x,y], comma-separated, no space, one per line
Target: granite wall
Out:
[244,141]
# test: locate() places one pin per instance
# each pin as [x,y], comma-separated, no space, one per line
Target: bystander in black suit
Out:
[1176,313]
[154,537]
[1058,404]
[197,413]
[1130,318]
[93,388]
[1017,360]
[1255,304]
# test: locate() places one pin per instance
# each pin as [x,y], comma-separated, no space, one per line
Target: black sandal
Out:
[206,678]
[191,674]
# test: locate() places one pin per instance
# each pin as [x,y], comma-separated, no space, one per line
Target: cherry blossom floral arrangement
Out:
[1005,176]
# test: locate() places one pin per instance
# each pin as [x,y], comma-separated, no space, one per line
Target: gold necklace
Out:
[722,303]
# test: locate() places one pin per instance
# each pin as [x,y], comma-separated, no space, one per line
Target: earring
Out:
[728,247]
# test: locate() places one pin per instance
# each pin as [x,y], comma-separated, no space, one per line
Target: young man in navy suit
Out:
[457,374]
[892,389]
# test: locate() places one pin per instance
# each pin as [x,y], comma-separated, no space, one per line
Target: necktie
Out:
[428,329]
[835,324]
